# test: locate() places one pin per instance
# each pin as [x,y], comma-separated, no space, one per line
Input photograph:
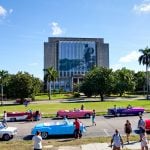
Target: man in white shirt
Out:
[116,141]
[37,141]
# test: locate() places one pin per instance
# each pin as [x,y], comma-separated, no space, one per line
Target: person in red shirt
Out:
[77,128]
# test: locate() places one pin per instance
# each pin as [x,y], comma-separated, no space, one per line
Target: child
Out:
[144,141]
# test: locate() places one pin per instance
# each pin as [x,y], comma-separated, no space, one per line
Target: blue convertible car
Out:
[63,127]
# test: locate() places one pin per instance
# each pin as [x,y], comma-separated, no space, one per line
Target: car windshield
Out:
[1,125]
[63,122]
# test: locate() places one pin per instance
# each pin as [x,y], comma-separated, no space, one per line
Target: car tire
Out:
[6,137]
[44,135]
[12,119]
[87,115]
[140,113]
[118,114]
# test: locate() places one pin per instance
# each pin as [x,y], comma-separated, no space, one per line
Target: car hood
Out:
[9,129]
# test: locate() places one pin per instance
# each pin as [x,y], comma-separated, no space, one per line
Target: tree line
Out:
[98,81]
[20,85]
[104,81]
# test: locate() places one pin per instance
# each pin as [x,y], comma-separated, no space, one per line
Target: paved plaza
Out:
[98,146]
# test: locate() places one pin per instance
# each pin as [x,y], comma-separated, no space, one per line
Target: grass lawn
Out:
[54,96]
[50,109]
[28,145]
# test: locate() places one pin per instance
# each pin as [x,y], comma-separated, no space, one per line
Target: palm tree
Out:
[3,77]
[145,60]
[50,75]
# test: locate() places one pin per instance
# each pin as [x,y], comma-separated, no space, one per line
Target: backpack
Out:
[119,137]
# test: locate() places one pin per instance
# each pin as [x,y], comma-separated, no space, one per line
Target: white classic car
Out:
[7,133]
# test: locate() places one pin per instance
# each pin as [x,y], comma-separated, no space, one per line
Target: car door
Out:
[67,128]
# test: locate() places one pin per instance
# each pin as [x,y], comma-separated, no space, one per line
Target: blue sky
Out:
[26,24]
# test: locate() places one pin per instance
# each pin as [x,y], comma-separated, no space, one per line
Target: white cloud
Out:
[133,56]
[3,11]
[56,29]
[144,7]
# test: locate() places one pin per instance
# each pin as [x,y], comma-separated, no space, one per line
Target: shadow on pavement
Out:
[131,143]
[28,137]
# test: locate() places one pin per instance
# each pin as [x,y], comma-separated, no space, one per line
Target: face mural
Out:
[76,57]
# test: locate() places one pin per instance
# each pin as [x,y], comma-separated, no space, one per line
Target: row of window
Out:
[70,74]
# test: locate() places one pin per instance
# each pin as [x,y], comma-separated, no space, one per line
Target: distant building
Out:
[73,57]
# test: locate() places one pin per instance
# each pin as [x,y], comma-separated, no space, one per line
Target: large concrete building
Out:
[73,57]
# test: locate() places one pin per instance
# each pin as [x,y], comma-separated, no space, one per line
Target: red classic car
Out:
[74,113]
[28,116]
[147,124]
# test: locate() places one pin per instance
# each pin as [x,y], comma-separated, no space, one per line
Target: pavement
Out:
[99,146]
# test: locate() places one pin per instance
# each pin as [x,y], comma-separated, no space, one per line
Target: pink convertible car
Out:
[74,113]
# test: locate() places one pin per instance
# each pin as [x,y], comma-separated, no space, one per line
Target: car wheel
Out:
[13,119]
[140,113]
[44,135]
[6,137]
[87,115]
[118,114]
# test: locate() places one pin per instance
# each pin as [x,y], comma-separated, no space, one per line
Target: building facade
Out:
[73,57]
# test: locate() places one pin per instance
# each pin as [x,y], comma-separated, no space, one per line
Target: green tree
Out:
[145,60]
[123,81]
[98,81]
[87,86]
[37,86]
[140,81]
[3,79]
[50,75]
[23,85]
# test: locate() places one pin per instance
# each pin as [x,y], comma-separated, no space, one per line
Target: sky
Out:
[26,24]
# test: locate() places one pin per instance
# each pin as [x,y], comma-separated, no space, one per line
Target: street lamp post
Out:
[1,94]
[1,90]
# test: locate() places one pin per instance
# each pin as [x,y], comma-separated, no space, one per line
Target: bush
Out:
[76,95]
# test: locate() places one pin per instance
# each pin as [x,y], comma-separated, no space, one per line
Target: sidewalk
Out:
[102,146]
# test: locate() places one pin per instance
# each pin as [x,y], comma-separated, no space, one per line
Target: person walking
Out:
[141,126]
[5,118]
[127,129]
[37,141]
[77,128]
[82,107]
[93,117]
[116,141]
[144,141]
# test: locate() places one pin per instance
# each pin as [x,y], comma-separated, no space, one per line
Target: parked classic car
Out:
[147,124]
[18,116]
[7,133]
[63,127]
[126,111]
[74,113]
[23,101]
